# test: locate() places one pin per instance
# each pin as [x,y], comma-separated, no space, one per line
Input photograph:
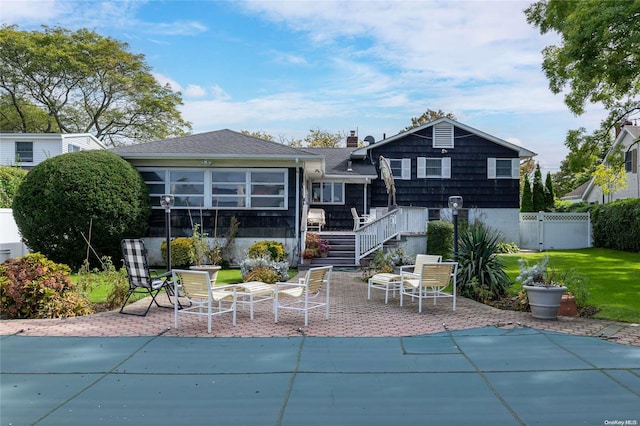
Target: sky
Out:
[287,67]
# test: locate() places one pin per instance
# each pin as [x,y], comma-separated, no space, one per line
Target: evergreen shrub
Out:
[81,195]
[440,238]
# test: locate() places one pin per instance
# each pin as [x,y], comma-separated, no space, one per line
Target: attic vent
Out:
[443,135]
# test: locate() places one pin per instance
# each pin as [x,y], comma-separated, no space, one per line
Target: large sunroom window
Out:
[225,188]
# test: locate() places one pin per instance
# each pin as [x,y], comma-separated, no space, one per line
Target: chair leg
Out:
[152,293]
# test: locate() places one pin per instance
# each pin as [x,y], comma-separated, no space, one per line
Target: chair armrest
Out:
[224,286]
[287,284]
[166,274]
[402,268]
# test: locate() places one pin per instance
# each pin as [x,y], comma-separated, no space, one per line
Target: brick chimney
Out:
[621,125]
[352,140]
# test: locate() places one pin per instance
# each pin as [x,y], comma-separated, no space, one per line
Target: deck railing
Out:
[403,220]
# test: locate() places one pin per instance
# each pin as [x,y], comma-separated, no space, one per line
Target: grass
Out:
[613,284]
[98,293]
[613,278]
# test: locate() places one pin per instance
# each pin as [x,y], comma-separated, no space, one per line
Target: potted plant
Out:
[544,288]
[324,248]
[200,253]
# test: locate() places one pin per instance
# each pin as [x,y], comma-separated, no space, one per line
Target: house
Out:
[269,187]
[30,149]
[626,142]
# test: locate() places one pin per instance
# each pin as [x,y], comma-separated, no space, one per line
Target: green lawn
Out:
[99,292]
[614,283]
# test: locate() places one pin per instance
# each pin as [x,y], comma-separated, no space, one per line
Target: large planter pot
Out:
[544,301]
[211,269]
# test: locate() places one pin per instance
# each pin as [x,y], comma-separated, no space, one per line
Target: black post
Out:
[168,226]
[455,235]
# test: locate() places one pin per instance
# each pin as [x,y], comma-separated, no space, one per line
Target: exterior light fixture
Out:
[455,203]
[167,201]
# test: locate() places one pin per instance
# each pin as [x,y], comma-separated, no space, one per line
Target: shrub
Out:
[617,225]
[180,252]
[481,275]
[35,287]
[86,194]
[273,249]
[88,279]
[10,179]
[264,262]
[263,274]
[440,238]
[511,247]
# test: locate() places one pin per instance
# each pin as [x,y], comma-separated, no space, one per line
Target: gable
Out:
[441,133]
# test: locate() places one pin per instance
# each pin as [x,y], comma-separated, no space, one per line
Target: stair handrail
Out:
[372,235]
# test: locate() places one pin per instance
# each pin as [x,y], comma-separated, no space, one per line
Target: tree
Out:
[526,203]
[537,193]
[585,152]
[610,179]
[597,59]
[549,194]
[85,83]
[322,139]
[25,116]
[427,117]
[87,194]
[596,62]
[258,134]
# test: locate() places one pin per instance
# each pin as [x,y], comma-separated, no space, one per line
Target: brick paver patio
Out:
[351,315]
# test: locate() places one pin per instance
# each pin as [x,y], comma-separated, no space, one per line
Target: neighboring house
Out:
[627,141]
[269,186]
[27,150]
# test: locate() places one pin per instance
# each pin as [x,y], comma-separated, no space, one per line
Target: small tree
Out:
[526,204]
[82,195]
[610,179]
[538,191]
[549,195]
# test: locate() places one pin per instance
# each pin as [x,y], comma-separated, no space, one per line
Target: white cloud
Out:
[194,91]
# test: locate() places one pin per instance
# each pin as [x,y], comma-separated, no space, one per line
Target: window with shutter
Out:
[434,168]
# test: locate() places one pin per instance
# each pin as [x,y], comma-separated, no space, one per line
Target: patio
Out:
[369,364]
[351,315]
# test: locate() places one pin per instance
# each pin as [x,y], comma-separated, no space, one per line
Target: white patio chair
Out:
[298,296]
[358,221]
[205,297]
[431,283]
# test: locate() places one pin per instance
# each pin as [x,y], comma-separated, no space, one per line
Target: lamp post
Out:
[167,202]
[455,203]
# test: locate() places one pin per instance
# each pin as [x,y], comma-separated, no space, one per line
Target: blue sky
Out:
[285,67]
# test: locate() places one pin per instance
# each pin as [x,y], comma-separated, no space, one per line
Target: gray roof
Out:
[217,144]
[337,162]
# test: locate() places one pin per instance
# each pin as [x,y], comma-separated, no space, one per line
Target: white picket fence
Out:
[561,231]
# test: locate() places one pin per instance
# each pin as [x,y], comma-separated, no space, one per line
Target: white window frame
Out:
[322,185]
[445,168]
[492,168]
[442,135]
[208,196]
[17,152]
[404,167]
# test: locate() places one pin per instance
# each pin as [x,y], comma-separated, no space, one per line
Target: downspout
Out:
[298,215]
[364,202]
